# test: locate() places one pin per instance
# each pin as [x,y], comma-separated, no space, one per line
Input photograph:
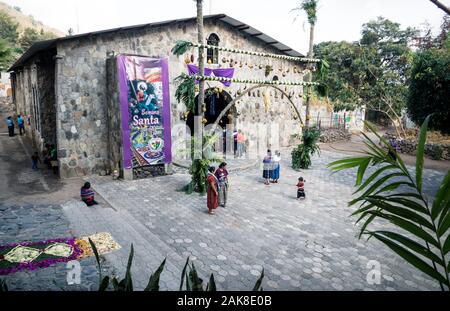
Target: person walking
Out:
[212,195]
[21,124]
[267,167]
[10,123]
[276,167]
[34,161]
[222,177]
[240,143]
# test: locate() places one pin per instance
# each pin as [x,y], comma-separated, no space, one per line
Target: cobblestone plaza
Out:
[306,245]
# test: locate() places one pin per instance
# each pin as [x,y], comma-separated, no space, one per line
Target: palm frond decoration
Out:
[185,92]
[181,47]
[391,194]
[301,156]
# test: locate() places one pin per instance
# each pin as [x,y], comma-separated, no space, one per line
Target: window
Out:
[275,78]
[212,56]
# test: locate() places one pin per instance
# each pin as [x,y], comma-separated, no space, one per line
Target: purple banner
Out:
[145,110]
[220,72]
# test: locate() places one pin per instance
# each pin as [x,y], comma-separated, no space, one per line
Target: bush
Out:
[301,156]
[429,90]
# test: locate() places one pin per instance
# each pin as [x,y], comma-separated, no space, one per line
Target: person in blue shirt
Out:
[21,123]
[10,123]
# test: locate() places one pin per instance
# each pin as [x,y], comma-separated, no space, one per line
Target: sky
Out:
[337,19]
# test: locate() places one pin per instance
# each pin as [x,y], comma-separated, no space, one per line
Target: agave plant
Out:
[301,156]
[391,194]
[3,286]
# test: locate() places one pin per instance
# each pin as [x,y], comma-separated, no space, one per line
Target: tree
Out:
[429,91]
[6,55]
[8,29]
[198,131]
[310,8]
[31,36]
[28,38]
[374,71]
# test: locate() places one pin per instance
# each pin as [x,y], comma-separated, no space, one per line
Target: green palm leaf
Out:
[393,195]
[420,152]
[181,47]
[412,259]
[442,197]
[406,225]
[411,244]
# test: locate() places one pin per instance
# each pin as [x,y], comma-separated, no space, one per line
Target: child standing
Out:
[34,161]
[301,189]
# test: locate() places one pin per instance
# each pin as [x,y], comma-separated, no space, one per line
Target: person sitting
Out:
[87,195]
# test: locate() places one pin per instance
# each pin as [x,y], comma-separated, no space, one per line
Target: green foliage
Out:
[3,286]
[372,71]
[201,163]
[185,92]
[429,91]
[8,29]
[420,231]
[310,8]
[301,156]
[6,55]
[31,36]
[190,279]
[181,47]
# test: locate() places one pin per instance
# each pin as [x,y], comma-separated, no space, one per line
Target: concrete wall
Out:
[81,88]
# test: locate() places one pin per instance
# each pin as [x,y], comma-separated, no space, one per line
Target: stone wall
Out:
[434,151]
[81,89]
[34,98]
[334,135]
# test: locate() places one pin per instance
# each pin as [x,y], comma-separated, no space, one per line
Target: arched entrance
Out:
[216,102]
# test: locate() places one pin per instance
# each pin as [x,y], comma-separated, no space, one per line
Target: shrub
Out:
[301,156]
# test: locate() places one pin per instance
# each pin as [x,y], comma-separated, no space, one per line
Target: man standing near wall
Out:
[10,123]
[21,124]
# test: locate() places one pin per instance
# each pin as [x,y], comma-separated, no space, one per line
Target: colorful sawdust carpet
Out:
[33,255]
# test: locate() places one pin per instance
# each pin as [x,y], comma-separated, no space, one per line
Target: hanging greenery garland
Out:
[253,81]
[182,46]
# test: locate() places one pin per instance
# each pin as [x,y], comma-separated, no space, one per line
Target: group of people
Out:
[271,167]
[11,125]
[217,187]
[49,155]
[271,172]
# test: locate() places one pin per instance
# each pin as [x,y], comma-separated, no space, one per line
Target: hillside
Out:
[26,21]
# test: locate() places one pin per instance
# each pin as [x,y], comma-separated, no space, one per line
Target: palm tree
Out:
[201,65]
[310,7]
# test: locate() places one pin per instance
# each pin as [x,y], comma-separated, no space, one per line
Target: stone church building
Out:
[61,84]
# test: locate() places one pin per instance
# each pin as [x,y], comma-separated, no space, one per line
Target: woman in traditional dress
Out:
[276,167]
[87,194]
[222,177]
[267,167]
[212,193]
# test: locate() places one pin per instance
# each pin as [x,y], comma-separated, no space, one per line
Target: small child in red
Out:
[301,189]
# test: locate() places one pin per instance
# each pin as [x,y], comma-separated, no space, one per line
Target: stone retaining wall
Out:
[435,151]
[334,135]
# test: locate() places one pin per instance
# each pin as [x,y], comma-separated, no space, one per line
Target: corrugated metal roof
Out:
[248,30]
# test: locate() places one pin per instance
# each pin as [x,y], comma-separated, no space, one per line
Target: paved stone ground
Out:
[309,245]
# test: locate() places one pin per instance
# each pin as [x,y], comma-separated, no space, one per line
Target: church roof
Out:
[234,23]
